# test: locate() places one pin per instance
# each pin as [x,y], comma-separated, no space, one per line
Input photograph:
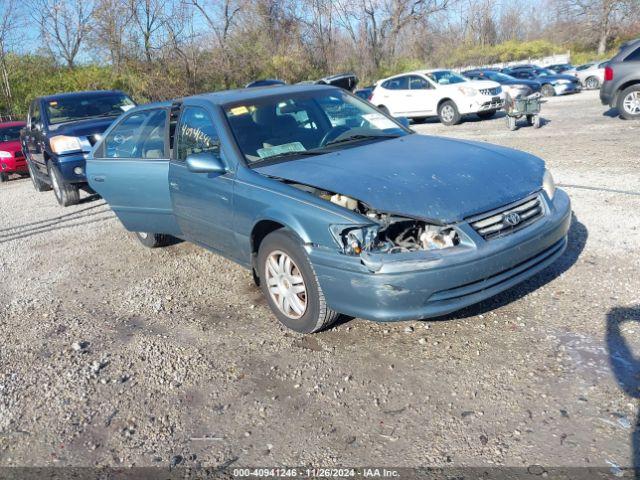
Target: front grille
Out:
[491,91]
[509,219]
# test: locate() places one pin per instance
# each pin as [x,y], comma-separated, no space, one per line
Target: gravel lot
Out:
[113,354]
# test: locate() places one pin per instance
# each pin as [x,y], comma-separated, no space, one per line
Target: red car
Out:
[11,157]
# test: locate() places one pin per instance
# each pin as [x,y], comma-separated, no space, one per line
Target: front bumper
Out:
[13,165]
[429,284]
[67,164]
[565,88]
[482,103]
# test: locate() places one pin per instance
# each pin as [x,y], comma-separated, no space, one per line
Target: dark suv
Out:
[60,131]
[621,86]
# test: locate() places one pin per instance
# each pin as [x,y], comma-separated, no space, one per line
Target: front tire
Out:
[448,113]
[39,184]
[629,103]
[3,177]
[547,90]
[153,240]
[67,194]
[486,114]
[290,284]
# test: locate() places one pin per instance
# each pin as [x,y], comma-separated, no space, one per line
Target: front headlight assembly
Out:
[548,184]
[399,235]
[65,144]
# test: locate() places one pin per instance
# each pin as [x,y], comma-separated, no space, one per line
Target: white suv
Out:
[441,93]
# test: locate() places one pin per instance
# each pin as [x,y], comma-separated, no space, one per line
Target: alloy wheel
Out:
[286,284]
[631,103]
[447,113]
[593,83]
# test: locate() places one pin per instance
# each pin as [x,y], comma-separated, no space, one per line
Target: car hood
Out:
[83,128]
[523,81]
[11,146]
[418,176]
[471,83]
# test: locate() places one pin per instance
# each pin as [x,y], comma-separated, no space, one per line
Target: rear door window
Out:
[418,83]
[633,56]
[399,83]
[139,135]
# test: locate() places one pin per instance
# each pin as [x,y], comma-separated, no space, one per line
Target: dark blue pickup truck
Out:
[60,132]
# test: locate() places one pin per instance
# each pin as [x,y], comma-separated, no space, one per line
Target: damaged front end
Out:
[387,233]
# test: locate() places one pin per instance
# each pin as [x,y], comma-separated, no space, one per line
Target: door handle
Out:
[99,178]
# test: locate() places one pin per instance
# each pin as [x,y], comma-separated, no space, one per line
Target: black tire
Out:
[486,114]
[448,113]
[384,109]
[39,184]
[547,90]
[3,177]
[530,120]
[592,83]
[153,240]
[67,194]
[317,315]
[629,94]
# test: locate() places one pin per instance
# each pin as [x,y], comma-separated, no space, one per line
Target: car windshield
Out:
[446,77]
[544,72]
[78,107]
[308,123]
[498,77]
[9,134]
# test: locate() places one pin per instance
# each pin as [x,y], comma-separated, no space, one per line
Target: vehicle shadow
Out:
[611,113]
[79,217]
[578,235]
[626,368]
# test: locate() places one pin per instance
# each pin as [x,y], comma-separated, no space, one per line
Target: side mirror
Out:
[404,121]
[205,162]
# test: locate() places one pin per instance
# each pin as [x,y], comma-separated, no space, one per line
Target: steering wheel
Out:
[334,133]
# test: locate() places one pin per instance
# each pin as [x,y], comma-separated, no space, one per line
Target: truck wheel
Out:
[629,103]
[67,194]
[153,240]
[511,123]
[39,184]
[290,284]
[3,177]
[448,113]
[547,90]
[592,83]
[486,114]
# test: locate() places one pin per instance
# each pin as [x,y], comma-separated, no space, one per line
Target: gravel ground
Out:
[113,354]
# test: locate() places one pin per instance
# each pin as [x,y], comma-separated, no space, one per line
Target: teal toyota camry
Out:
[336,207]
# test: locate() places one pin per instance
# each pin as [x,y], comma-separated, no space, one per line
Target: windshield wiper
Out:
[287,154]
[359,136]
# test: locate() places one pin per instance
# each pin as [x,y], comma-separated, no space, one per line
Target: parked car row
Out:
[306,185]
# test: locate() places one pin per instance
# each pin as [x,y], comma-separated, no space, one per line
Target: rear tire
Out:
[448,113]
[486,114]
[278,285]
[67,194]
[592,83]
[547,91]
[153,240]
[39,184]
[3,177]
[629,103]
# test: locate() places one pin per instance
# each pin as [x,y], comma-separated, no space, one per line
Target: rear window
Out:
[633,56]
[79,107]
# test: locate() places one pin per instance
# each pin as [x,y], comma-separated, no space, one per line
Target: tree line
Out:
[159,49]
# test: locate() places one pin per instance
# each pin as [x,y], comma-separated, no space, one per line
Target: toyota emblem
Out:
[511,219]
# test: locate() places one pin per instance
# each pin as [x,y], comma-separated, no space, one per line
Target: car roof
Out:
[12,124]
[249,94]
[60,96]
